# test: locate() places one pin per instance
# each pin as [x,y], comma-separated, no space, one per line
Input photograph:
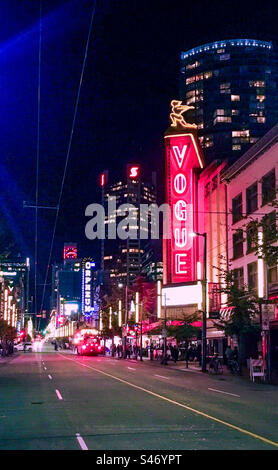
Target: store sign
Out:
[87,275]
[182,159]
[70,251]
[133,171]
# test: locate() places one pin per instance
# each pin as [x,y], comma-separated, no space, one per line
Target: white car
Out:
[20,347]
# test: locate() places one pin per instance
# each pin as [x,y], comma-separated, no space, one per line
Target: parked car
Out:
[20,347]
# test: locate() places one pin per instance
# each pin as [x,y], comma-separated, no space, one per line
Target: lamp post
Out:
[204,303]
[141,332]
[120,285]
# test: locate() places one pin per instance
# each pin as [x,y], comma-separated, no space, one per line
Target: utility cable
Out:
[37,163]
[68,151]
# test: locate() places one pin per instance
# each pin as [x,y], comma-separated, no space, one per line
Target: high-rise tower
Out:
[232,85]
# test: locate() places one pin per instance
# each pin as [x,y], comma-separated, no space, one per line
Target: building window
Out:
[251,237]
[193,65]
[224,57]
[208,141]
[238,244]
[207,75]
[237,208]
[269,227]
[257,84]
[241,133]
[235,97]
[252,198]
[252,275]
[225,88]
[268,187]
[236,147]
[238,278]
[272,275]
[222,119]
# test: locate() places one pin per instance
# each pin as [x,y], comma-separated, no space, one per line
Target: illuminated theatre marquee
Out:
[182,162]
[87,277]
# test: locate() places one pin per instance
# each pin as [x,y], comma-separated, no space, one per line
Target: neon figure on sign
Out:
[178,109]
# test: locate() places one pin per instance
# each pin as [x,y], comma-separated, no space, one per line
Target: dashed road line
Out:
[186,407]
[162,376]
[50,377]
[81,442]
[59,395]
[131,368]
[221,391]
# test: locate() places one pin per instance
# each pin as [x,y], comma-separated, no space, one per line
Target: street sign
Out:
[268,313]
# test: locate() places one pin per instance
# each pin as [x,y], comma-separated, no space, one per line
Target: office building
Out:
[232,85]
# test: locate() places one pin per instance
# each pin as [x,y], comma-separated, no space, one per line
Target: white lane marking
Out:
[81,442]
[50,377]
[45,368]
[59,395]
[186,407]
[191,370]
[221,391]
[131,368]
[162,376]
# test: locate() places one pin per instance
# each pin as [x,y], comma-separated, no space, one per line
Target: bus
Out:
[87,341]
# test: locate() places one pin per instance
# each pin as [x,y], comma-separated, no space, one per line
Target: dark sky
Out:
[131,75]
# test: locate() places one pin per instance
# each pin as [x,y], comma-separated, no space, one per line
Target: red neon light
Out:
[70,251]
[102,179]
[179,252]
[133,171]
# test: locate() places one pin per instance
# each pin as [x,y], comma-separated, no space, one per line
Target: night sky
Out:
[130,77]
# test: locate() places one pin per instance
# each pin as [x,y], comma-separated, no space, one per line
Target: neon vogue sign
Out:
[182,158]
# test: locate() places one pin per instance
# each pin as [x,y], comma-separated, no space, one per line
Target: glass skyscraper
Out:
[232,85]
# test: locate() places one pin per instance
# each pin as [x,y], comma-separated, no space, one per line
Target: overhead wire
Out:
[37,163]
[68,152]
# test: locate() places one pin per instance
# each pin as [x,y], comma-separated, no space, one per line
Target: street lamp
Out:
[141,332]
[120,285]
[204,303]
[165,332]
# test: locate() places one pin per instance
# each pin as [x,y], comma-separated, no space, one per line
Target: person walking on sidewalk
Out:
[151,351]
[175,354]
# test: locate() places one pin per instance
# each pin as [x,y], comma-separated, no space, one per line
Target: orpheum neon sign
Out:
[179,252]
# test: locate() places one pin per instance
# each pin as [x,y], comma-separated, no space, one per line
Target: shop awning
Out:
[225,313]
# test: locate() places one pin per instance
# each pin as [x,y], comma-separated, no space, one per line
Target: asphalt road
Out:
[55,400]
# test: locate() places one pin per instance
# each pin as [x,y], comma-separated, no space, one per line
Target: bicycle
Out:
[215,366]
[233,366]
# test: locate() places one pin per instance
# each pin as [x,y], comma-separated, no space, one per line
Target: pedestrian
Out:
[190,353]
[235,353]
[186,354]
[55,345]
[228,353]
[175,354]
[199,353]
[113,350]
[127,350]
[151,351]
[118,350]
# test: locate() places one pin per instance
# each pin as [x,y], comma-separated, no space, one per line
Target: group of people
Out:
[120,352]
[6,348]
